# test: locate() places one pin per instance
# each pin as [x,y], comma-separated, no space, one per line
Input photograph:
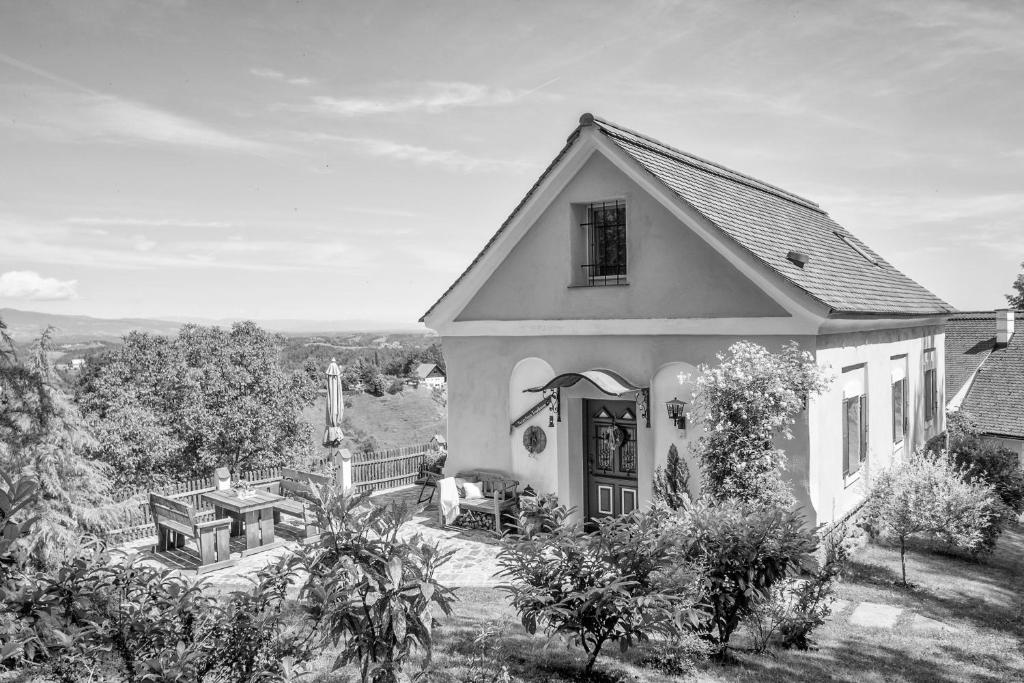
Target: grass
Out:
[405,419]
[982,601]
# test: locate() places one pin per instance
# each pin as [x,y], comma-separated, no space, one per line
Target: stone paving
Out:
[473,562]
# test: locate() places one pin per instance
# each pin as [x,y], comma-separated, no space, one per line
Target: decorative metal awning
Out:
[611,383]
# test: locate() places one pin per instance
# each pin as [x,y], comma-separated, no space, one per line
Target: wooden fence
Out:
[379,470]
[389,469]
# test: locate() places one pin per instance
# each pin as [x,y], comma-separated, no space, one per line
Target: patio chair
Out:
[428,478]
[176,521]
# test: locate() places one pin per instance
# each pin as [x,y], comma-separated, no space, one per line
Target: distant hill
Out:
[27,325]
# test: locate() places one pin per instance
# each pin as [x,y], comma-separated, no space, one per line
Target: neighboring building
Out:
[77,363]
[429,374]
[985,373]
[627,266]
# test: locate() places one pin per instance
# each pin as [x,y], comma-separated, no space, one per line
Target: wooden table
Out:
[255,514]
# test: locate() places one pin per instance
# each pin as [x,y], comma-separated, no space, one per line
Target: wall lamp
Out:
[677,412]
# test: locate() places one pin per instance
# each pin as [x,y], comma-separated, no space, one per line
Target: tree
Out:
[928,495]
[43,436]
[208,398]
[1016,301]
[745,402]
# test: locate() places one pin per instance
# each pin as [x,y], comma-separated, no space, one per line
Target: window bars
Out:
[606,244]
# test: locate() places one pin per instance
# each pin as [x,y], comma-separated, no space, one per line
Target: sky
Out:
[333,160]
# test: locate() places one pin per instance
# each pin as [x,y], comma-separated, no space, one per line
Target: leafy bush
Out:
[747,400]
[991,464]
[928,495]
[369,590]
[672,482]
[678,656]
[744,550]
[622,583]
[378,385]
[397,386]
[799,605]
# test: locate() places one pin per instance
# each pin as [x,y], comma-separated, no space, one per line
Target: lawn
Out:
[981,601]
[404,419]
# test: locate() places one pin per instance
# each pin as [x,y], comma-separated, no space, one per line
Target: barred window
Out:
[931,386]
[606,243]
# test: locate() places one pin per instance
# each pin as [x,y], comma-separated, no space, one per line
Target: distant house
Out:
[573,338]
[985,373]
[429,374]
[62,367]
[77,363]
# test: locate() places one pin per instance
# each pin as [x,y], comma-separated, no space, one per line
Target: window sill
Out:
[601,285]
[851,479]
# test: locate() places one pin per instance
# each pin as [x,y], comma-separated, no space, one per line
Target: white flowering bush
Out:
[928,495]
[744,402]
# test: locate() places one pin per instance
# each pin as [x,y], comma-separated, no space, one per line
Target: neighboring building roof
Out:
[843,273]
[995,399]
[424,370]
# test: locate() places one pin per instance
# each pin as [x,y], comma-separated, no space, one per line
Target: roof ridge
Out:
[685,157]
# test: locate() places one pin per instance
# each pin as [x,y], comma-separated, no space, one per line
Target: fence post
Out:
[345,469]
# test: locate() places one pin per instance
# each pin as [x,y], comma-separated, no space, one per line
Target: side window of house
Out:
[931,387]
[899,399]
[855,419]
[605,228]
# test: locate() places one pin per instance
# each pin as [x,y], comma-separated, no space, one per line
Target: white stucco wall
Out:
[481,401]
[832,494]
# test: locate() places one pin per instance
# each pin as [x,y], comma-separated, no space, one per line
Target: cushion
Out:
[472,490]
[460,484]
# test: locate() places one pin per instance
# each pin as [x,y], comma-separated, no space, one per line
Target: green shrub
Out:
[622,583]
[927,495]
[370,591]
[798,606]
[672,482]
[993,465]
[744,551]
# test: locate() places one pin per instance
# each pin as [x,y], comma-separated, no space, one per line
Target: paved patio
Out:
[472,564]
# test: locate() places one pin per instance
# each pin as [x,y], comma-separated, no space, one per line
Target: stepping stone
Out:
[839,605]
[875,615]
[923,624]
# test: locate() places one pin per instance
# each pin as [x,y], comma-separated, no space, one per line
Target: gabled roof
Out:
[423,370]
[995,399]
[843,273]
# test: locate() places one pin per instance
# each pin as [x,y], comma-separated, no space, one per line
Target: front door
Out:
[610,457]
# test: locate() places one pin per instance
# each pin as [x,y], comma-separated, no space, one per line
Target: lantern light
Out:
[677,412]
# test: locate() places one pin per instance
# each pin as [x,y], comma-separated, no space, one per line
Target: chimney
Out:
[1004,326]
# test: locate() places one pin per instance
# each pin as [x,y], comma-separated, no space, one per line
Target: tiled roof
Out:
[970,337]
[843,272]
[423,370]
[996,398]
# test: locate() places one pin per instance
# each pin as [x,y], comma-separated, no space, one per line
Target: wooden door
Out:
[610,457]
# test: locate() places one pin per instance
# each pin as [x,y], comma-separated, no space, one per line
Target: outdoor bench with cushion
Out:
[487,500]
[176,521]
[295,488]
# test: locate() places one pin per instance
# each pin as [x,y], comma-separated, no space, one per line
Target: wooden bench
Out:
[500,496]
[176,521]
[295,487]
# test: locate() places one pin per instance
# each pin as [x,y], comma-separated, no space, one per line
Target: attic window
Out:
[605,230]
[798,258]
[856,247]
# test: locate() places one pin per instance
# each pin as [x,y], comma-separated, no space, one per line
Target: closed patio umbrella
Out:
[335,407]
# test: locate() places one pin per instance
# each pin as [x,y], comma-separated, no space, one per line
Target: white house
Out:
[429,374]
[627,266]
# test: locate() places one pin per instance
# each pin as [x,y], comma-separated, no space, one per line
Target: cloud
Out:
[432,98]
[274,75]
[78,113]
[425,156]
[27,284]
[146,222]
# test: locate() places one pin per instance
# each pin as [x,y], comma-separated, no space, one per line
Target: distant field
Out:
[411,417]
